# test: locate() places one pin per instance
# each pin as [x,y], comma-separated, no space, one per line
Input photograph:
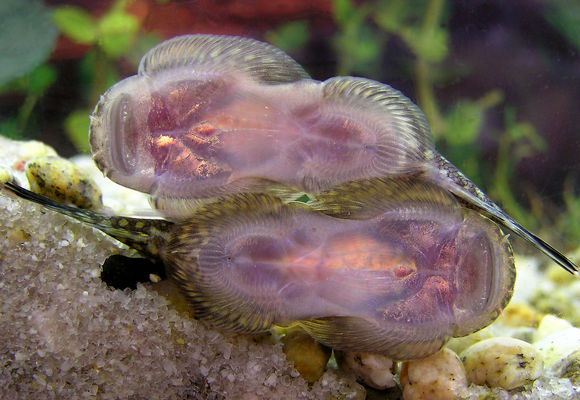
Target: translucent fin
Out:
[370,197]
[263,62]
[223,310]
[195,258]
[407,132]
[454,180]
[147,236]
[505,220]
[180,207]
[351,333]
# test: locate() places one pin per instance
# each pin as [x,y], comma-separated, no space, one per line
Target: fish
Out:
[211,115]
[401,282]
[191,126]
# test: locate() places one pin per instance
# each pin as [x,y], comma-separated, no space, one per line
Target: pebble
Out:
[7,176]
[559,345]
[518,314]
[569,367]
[341,387]
[374,370]
[502,362]
[524,333]
[558,275]
[62,181]
[550,324]
[561,300]
[437,377]
[461,343]
[33,148]
[309,356]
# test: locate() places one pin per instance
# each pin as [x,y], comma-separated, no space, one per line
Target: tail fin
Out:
[473,197]
[144,235]
[537,242]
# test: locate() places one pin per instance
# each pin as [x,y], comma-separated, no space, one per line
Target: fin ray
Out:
[406,137]
[144,235]
[195,259]
[261,61]
[369,197]
[401,344]
[473,197]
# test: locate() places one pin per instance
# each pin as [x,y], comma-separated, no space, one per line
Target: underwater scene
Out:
[293,199]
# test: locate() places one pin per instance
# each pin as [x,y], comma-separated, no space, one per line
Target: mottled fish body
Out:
[214,115]
[400,283]
[395,252]
[195,128]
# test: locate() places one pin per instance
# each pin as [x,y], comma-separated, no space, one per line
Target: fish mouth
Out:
[123,130]
[108,131]
[113,132]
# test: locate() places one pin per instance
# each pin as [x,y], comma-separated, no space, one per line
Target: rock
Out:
[309,356]
[64,334]
[524,333]
[63,181]
[559,275]
[6,175]
[374,370]
[461,343]
[437,377]
[561,300]
[502,362]
[569,367]
[549,325]
[518,314]
[556,346]
[341,387]
[33,148]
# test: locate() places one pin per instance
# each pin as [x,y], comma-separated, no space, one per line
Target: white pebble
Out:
[559,345]
[502,362]
[437,377]
[550,324]
[461,343]
[375,370]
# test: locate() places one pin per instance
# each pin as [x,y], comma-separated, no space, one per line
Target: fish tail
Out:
[473,197]
[147,236]
[544,247]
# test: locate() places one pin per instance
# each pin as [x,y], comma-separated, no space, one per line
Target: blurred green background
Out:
[498,80]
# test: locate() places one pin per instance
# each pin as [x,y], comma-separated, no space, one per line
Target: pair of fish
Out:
[395,252]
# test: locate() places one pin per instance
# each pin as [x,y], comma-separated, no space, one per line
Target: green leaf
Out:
[97,74]
[290,36]
[522,131]
[358,49]
[76,126]
[36,82]
[344,11]
[76,24]
[463,123]
[303,199]
[27,36]
[431,46]
[9,128]
[391,14]
[565,17]
[144,42]
[40,79]
[117,32]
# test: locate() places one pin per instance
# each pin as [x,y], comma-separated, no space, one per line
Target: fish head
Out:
[167,130]
[148,134]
